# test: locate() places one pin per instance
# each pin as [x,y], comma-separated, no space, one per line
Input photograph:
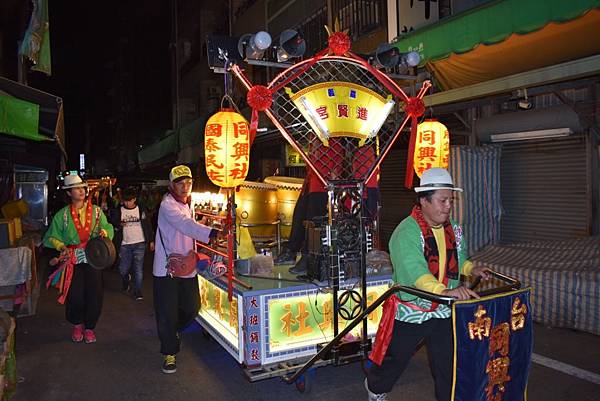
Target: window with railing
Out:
[360,17]
[314,32]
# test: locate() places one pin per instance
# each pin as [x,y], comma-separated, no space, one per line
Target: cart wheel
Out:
[305,382]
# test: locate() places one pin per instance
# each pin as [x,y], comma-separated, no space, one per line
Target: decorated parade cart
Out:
[342,116]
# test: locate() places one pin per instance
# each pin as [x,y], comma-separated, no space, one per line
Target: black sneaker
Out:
[169,365]
[300,267]
[285,257]
[137,295]
[125,281]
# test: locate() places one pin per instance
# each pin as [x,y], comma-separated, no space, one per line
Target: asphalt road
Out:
[125,362]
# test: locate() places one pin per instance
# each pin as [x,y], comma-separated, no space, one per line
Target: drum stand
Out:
[346,238]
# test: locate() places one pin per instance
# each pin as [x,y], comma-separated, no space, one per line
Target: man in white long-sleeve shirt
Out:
[176,299]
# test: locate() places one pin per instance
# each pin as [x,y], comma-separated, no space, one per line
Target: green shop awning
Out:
[29,113]
[186,145]
[506,37]
[19,118]
[158,150]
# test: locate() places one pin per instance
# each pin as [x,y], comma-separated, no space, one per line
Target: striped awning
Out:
[506,37]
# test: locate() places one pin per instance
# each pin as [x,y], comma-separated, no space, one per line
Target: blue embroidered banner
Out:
[493,341]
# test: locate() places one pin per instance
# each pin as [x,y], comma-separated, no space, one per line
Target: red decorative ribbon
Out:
[66,271]
[415,108]
[385,329]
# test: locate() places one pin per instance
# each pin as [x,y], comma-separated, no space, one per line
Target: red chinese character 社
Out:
[213,130]
[239,171]
[253,320]
[211,160]
[361,113]
[421,167]
[342,110]
[322,112]
[241,150]
[211,145]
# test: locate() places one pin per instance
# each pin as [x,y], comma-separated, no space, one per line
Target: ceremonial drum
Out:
[256,208]
[288,191]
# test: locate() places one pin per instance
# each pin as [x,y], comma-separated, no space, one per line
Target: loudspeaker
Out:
[291,44]
[387,55]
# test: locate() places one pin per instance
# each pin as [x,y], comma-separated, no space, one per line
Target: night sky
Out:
[111,66]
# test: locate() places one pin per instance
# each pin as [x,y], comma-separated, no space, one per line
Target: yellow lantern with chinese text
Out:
[432,146]
[227,148]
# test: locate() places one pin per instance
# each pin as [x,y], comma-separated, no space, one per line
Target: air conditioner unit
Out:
[528,135]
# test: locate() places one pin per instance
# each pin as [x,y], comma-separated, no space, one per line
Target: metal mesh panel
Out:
[343,160]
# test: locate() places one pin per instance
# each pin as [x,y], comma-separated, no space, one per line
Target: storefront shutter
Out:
[396,200]
[545,190]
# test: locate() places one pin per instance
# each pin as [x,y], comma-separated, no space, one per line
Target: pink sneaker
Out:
[77,335]
[89,336]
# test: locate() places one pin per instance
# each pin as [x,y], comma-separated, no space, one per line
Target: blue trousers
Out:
[133,253]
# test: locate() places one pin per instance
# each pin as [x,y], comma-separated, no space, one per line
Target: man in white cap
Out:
[428,251]
[176,299]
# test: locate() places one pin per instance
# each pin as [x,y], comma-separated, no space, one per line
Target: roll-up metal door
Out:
[545,189]
[396,200]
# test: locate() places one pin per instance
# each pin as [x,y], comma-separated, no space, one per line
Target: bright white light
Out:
[413,59]
[315,118]
[282,55]
[262,40]
[380,119]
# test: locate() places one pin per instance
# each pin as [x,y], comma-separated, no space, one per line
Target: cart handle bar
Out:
[513,284]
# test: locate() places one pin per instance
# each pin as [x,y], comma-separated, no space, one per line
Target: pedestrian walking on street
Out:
[80,284]
[133,234]
[176,292]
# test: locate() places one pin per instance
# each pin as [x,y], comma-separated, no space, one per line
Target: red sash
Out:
[82,230]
